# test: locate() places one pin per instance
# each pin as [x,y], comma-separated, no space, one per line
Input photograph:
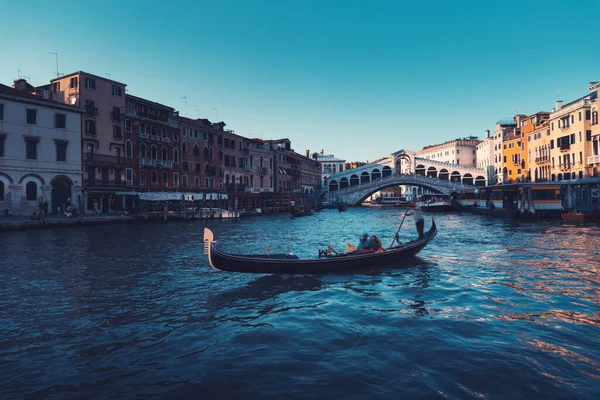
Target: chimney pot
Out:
[559,104]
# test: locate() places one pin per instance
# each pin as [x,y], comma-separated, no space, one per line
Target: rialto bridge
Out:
[402,168]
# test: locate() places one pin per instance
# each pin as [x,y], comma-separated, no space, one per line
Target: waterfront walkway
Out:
[23,222]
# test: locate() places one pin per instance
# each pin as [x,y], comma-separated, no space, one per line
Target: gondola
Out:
[326,263]
[301,213]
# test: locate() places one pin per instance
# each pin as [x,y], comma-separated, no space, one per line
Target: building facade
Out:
[103,104]
[236,163]
[260,166]
[152,145]
[593,160]
[484,156]
[538,148]
[458,151]
[329,165]
[40,153]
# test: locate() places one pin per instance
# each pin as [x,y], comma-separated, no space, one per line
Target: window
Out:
[31,147]
[175,156]
[165,178]
[90,83]
[117,131]
[56,87]
[90,107]
[184,131]
[581,157]
[1,191]
[117,91]
[580,115]
[154,177]
[60,121]
[184,181]
[164,132]
[1,112]
[128,175]
[31,191]
[572,119]
[164,154]
[2,139]
[61,150]
[594,116]
[74,83]
[176,179]
[184,148]
[588,135]
[128,149]
[153,152]
[197,181]
[127,125]
[143,129]
[143,177]
[142,150]
[175,136]
[31,116]
[154,131]
[196,150]
[205,135]
[197,167]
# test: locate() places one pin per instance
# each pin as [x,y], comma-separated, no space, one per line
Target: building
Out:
[538,147]
[329,165]
[152,145]
[513,165]
[593,160]
[40,153]
[571,139]
[260,166]
[282,175]
[505,128]
[310,174]
[458,151]
[484,156]
[103,104]
[236,163]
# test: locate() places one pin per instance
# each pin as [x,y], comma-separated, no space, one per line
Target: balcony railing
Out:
[103,159]
[247,168]
[541,160]
[144,135]
[149,162]
[564,127]
[261,170]
[116,115]
[165,140]
[564,147]
[99,183]
[594,159]
[91,111]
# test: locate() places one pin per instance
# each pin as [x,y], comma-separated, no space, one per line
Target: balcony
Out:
[247,168]
[564,147]
[130,111]
[542,160]
[103,159]
[165,140]
[564,127]
[91,111]
[116,116]
[98,183]
[144,135]
[261,170]
[155,137]
[149,162]
[593,159]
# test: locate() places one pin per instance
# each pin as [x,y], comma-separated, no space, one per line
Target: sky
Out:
[357,79]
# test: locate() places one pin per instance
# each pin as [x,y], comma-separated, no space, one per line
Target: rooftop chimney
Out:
[307,153]
[487,133]
[559,104]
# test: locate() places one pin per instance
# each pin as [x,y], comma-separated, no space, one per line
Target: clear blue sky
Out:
[359,79]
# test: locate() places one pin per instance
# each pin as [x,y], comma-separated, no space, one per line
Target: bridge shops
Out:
[529,201]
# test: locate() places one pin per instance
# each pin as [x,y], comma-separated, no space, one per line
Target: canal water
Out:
[490,309]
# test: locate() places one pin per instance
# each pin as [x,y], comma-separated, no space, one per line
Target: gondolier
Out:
[419,221]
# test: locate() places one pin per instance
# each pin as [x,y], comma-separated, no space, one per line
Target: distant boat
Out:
[301,213]
[582,214]
[254,213]
[341,207]
[435,202]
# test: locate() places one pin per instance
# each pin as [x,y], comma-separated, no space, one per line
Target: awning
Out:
[173,196]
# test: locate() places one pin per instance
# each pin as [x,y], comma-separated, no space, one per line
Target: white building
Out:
[329,165]
[484,155]
[458,151]
[40,152]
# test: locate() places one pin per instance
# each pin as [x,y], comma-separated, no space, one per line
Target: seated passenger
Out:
[364,246]
[376,245]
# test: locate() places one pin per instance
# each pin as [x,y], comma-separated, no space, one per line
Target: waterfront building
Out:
[571,139]
[260,166]
[282,175]
[102,101]
[593,159]
[484,156]
[152,145]
[310,174]
[458,151]
[513,164]
[330,165]
[236,163]
[40,152]
[505,128]
[536,137]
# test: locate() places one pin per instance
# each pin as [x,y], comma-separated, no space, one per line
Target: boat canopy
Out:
[173,196]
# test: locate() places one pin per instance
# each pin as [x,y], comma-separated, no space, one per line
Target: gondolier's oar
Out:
[398,231]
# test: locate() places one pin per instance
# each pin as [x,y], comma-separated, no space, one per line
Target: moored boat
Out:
[325,263]
[435,203]
[582,214]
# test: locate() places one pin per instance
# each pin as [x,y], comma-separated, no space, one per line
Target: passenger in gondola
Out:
[364,246]
[376,245]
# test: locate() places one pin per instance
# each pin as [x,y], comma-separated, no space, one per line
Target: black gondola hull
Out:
[280,265]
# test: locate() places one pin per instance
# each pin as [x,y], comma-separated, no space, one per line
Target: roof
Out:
[7,91]
[506,122]
[148,101]
[87,73]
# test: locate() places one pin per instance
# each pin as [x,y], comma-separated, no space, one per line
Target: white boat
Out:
[435,202]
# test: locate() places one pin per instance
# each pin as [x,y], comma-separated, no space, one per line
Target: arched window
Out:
[184,148]
[165,156]
[128,148]
[206,152]
[175,156]
[251,160]
[212,155]
[142,150]
[261,161]
[31,191]
[196,150]
[220,154]
[153,154]
[1,191]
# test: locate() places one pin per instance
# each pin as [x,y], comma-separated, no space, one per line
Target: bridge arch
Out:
[444,174]
[354,180]
[480,180]
[387,171]
[467,179]
[432,172]
[365,177]
[420,186]
[375,174]
[344,183]
[455,176]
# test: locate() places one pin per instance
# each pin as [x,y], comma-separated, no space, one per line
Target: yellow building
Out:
[571,139]
[594,158]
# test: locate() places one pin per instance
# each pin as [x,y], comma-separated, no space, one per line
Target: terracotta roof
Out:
[7,91]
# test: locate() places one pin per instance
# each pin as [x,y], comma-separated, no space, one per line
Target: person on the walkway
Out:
[419,220]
